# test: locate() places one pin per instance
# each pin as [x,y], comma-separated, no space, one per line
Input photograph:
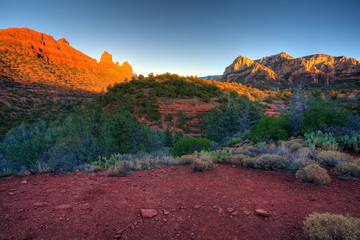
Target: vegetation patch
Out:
[327,226]
[313,174]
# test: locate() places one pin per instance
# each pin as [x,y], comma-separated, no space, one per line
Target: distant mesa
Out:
[283,69]
[23,49]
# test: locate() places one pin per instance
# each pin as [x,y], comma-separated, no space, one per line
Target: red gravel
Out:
[218,204]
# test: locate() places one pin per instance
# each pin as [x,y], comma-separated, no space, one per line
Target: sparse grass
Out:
[327,226]
[313,174]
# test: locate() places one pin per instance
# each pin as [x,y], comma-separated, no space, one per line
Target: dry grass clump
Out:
[306,152]
[348,169]
[332,158]
[271,162]
[203,163]
[246,149]
[187,159]
[234,160]
[327,226]
[241,160]
[248,161]
[122,168]
[296,146]
[313,174]
[303,162]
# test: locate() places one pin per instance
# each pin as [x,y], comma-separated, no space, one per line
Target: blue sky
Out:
[192,37]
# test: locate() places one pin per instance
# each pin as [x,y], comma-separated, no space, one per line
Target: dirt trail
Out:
[92,206]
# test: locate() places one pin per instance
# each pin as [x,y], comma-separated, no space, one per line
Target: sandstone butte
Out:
[284,69]
[21,47]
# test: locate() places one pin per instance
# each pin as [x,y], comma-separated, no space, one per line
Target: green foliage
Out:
[79,138]
[351,142]
[226,120]
[223,100]
[321,114]
[319,139]
[313,174]
[187,145]
[275,128]
[327,226]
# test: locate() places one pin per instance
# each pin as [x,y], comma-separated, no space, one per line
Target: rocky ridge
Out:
[283,69]
[20,48]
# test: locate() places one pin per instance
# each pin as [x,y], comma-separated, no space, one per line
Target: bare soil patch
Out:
[218,204]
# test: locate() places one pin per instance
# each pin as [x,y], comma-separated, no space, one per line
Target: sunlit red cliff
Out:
[284,69]
[30,56]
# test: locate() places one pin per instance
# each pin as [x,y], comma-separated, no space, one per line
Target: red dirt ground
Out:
[99,207]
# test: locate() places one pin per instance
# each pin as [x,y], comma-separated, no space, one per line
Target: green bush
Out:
[187,145]
[227,120]
[313,174]
[327,226]
[321,114]
[80,138]
[275,128]
[352,142]
[271,162]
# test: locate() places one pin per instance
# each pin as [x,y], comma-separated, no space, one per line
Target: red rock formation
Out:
[29,43]
[282,68]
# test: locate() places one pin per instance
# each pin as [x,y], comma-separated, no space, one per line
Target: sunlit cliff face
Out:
[318,68]
[23,50]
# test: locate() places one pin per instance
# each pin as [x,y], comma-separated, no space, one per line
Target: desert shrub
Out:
[303,162]
[219,155]
[280,150]
[187,159]
[237,159]
[248,161]
[296,146]
[327,226]
[271,162]
[203,163]
[319,139]
[306,152]
[241,160]
[186,145]
[120,169]
[348,169]
[313,174]
[234,141]
[275,128]
[121,164]
[332,158]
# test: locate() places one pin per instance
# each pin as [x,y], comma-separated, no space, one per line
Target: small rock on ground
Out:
[262,212]
[148,213]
